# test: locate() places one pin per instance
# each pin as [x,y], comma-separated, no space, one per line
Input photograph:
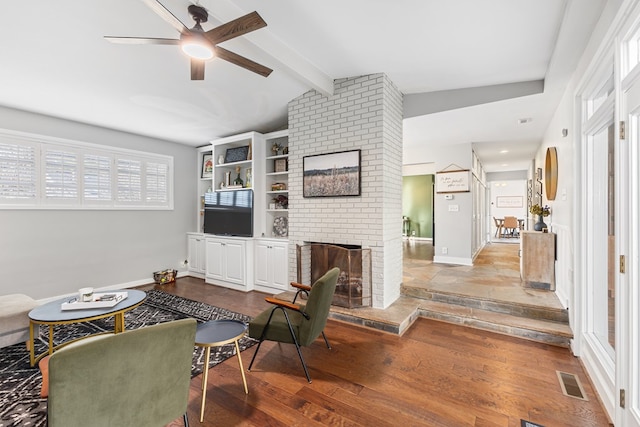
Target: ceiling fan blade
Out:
[139,40]
[165,14]
[197,69]
[241,61]
[243,25]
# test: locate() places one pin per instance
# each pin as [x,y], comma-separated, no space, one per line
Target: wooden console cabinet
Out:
[537,259]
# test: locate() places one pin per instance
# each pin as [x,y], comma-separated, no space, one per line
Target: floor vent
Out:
[525,423]
[571,386]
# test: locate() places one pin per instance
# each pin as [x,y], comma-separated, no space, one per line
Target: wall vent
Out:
[571,385]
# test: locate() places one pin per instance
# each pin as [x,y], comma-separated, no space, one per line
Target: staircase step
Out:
[544,331]
[514,308]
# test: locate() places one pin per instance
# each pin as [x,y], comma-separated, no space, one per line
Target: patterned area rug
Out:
[20,402]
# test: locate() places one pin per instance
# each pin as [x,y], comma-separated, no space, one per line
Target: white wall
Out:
[501,188]
[45,253]
[565,219]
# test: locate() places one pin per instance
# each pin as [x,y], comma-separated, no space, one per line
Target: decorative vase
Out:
[538,226]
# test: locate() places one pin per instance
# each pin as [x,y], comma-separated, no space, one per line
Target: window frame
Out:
[150,198]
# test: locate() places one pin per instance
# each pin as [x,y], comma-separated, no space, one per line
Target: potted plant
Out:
[541,212]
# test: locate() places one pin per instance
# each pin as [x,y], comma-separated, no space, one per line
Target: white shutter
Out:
[37,172]
[97,178]
[18,175]
[61,175]
[129,181]
[157,177]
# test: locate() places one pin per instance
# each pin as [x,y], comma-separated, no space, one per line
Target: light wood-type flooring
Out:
[435,374]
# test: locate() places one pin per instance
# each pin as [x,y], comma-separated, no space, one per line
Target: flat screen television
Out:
[229,213]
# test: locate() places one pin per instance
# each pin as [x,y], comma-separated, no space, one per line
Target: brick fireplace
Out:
[354,282]
[364,113]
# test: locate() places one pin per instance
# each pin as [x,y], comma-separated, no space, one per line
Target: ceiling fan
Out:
[201,45]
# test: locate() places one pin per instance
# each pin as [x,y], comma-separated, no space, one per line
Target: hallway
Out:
[495,275]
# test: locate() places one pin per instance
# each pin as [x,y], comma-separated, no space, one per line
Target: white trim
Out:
[44,144]
[452,260]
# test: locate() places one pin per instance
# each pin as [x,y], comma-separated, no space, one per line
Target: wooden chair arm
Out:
[281,303]
[301,286]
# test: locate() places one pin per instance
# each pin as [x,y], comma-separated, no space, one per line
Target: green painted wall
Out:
[417,203]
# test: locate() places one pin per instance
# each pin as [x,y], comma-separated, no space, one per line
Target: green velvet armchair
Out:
[136,378]
[294,323]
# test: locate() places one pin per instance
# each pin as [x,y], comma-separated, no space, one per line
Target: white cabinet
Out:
[271,265]
[196,254]
[226,263]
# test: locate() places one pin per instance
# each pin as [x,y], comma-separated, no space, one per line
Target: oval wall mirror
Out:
[551,173]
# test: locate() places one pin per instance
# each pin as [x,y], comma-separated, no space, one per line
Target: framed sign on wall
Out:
[453,181]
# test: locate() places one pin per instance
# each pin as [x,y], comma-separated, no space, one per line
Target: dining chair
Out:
[511,225]
[499,225]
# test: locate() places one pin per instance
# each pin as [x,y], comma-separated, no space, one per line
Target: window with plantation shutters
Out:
[129,180]
[45,173]
[97,178]
[60,174]
[157,186]
[18,178]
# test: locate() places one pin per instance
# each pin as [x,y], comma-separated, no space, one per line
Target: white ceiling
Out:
[54,60]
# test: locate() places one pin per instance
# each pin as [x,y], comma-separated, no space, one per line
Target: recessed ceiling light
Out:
[504,151]
[525,120]
[504,164]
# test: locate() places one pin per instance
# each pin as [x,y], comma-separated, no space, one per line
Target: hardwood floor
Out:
[436,374]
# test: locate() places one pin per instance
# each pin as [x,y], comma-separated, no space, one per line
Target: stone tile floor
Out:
[494,276]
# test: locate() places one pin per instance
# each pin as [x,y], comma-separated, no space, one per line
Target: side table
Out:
[214,334]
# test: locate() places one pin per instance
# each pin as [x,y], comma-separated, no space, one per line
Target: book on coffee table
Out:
[100,300]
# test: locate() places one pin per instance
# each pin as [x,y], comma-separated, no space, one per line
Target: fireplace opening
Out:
[354,282]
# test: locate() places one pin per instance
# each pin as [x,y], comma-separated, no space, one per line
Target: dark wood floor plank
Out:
[436,374]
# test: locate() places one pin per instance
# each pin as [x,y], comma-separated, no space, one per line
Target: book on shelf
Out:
[100,300]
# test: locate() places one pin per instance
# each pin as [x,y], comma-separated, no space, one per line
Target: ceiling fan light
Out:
[197,50]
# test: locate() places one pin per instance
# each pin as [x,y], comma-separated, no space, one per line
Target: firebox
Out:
[354,282]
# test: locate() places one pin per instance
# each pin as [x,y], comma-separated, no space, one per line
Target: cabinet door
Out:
[279,266]
[234,253]
[215,259]
[262,264]
[196,254]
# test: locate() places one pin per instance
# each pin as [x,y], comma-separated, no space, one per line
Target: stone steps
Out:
[541,324]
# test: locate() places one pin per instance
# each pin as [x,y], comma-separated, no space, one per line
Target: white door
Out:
[628,321]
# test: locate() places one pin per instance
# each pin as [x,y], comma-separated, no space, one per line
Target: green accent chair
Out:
[136,378]
[293,323]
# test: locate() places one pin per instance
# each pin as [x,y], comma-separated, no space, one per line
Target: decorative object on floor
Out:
[140,377]
[165,276]
[331,175]
[295,324]
[20,400]
[541,212]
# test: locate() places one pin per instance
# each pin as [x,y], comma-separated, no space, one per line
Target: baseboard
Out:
[452,260]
